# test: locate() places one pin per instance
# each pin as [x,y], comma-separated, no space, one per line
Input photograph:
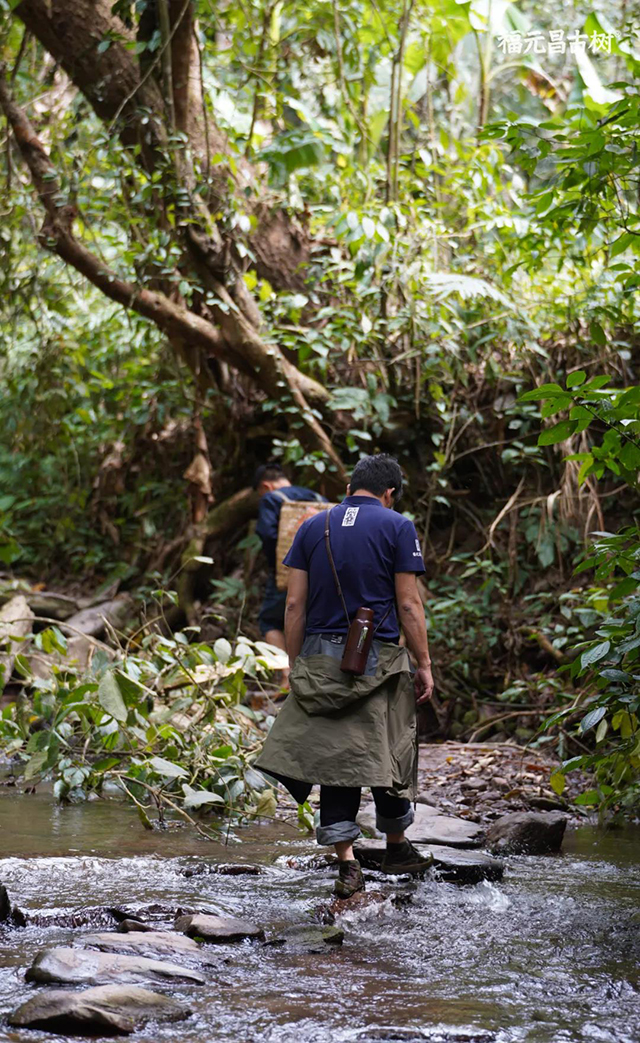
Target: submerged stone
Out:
[88,967]
[310,938]
[429,827]
[218,928]
[107,1008]
[527,833]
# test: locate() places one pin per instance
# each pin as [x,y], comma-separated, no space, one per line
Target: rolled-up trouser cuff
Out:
[337,833]
[394,825]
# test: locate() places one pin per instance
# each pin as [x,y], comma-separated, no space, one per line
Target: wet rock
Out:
[303,863]
[429,827]
[222,869]
[112,1009]
[360,900]
[130,926]
[465,867]
[527,833]
[10,915]
[311,938]
[141,942]
[547,802]
[451,864]
[87,967]
[218,928]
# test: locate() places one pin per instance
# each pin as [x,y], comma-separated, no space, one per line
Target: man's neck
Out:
[365,492]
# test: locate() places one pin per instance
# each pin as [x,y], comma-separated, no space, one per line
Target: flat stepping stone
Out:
[88,967]
[430,827]
[111,1009]
[143,941]
[451,864]
[217,928]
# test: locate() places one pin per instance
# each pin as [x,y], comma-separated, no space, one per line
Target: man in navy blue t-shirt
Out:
[346,732]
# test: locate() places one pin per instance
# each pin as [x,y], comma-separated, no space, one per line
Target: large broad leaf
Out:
[592,718]
[110,697]
[593,655]
[195,798]
[558,433]
[167,768]
[544,391]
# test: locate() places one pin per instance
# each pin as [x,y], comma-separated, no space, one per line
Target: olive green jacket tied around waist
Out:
[338,730]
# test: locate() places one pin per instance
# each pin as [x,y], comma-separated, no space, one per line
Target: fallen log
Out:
[16,619]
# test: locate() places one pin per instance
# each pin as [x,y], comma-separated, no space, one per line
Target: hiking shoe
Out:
[403,858]
[350,879]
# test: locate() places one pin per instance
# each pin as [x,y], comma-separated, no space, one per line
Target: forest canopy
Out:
[258,228]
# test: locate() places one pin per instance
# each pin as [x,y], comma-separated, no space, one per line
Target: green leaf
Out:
[558,433]
[601,730]
[576,378]
[597,334]
[544,391]
[557,782]
[36,765]
[593,655]
[592,718]
[167,768]
[110,697]
[591,796]
[196,798]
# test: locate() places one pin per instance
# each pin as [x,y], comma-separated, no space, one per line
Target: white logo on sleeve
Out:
[350,516]
[417,552]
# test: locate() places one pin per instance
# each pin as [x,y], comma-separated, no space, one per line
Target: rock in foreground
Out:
[88,967]
[429,827]
[111,1009]
[527,833]
[164,942]
[218,928]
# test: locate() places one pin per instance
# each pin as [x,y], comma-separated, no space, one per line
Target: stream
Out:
[550,954]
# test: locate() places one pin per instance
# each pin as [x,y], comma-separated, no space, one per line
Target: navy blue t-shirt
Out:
[369,543]
[269,515]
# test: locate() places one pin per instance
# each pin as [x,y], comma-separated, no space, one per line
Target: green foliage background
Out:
[473,215]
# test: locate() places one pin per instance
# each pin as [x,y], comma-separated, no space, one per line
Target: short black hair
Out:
[272,471]
[376,474]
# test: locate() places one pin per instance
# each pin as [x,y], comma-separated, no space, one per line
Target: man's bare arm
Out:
[412,621]
[295,615]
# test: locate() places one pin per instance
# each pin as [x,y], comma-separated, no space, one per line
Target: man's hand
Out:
[423,684]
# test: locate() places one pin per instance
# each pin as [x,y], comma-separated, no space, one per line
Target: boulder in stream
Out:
[154,942]
[106,1009]
[429,827]
[88,967]
[218,928]
[527,833]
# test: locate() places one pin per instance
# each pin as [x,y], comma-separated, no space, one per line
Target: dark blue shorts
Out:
[271,615]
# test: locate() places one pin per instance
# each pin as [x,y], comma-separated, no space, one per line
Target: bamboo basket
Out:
[292,515]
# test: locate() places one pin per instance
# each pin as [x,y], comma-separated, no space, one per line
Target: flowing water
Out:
[550,955]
